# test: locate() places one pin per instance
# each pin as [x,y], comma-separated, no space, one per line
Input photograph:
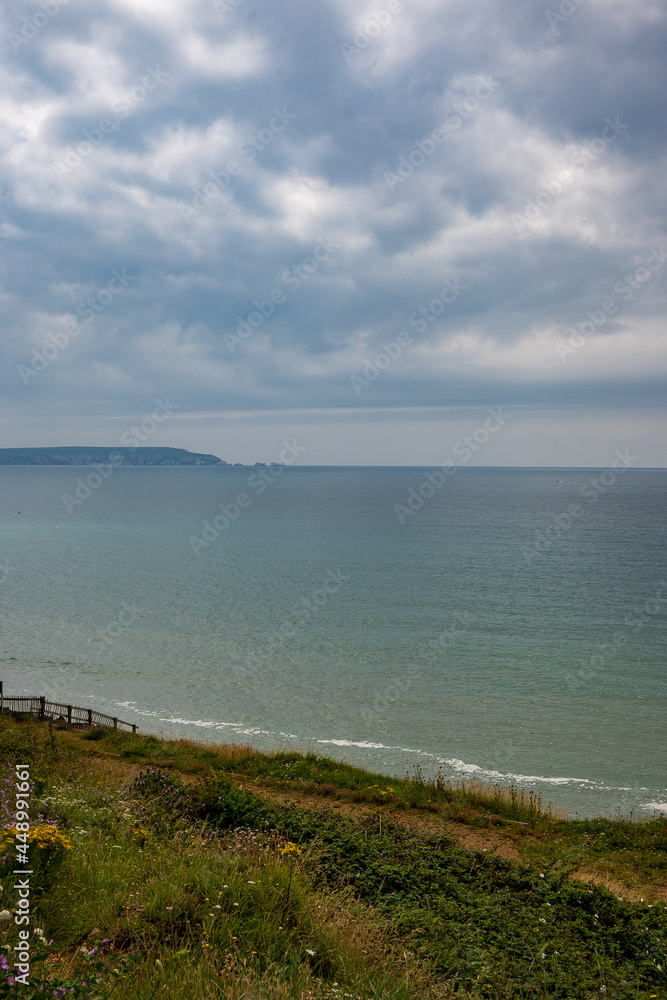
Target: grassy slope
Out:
[402,888]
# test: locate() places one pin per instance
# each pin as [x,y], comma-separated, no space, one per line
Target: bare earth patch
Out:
[636,893]
[491,840]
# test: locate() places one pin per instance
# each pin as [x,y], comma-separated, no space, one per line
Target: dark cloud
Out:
[514,152]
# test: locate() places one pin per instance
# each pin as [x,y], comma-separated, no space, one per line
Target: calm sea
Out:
[507,623]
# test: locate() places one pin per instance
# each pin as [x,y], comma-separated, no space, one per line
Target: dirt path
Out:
[637,892]
[476,840]
[502,841]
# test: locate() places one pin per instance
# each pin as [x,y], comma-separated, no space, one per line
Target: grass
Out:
[200,872]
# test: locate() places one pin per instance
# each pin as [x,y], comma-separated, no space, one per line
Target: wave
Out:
[454,764]
[364,746]
[206,724]
[462,767]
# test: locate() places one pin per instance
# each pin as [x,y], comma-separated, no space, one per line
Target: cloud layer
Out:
[269,207]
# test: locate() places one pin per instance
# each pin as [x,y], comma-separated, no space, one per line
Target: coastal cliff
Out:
[72,455]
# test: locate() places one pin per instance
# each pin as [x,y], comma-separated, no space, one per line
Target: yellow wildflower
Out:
[45,836]
[291,848]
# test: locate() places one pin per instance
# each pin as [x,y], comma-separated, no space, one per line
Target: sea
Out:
[493,623]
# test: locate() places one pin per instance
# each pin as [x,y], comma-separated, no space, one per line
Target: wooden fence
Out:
[73,715]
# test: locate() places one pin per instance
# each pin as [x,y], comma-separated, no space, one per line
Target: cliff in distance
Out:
[72,455]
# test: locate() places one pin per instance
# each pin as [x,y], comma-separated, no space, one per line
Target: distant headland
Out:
[73,455]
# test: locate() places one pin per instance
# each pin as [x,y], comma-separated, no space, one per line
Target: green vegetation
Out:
[69,455]
[198,872]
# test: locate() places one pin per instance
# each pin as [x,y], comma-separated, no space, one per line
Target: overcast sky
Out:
[357,225]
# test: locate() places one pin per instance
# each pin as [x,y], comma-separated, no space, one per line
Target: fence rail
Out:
[73,715]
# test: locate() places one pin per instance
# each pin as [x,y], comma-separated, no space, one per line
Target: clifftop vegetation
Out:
[215,871]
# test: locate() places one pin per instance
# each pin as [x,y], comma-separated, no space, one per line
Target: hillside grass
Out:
[201,871]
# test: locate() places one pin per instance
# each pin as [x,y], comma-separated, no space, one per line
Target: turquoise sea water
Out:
[320,617]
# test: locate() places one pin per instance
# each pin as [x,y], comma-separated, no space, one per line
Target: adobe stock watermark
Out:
[23,789]
[132,439]
[128,615]
[371,28]
[225,7]
[426,147]
[625,288]
[246,153]
[291,625]
[591,490]
[391,693]
[400,684]
[564,12]
[653,606]
[258,482]
[292,279]
[591,667]
[505,755]
[555,188]
[87,310]
[464,449]
[420,320]
[6,571]
[31,26]
[95,136]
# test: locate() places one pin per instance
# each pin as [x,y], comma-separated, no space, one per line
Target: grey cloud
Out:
[326,173]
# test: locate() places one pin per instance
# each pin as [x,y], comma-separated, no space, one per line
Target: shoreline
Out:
[432,764]
[195,864]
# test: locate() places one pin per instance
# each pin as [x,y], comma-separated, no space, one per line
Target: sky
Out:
[372,229]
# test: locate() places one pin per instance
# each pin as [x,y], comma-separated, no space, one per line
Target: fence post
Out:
[134,729]
[90,716]
[115,723]
[69,715]
[2,696]
[42,708]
